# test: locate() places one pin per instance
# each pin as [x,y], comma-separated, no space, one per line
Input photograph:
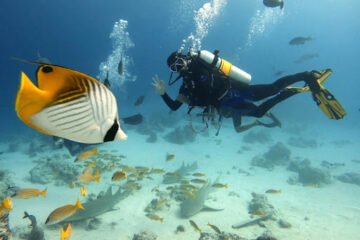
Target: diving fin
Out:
[324,99]
[322,77]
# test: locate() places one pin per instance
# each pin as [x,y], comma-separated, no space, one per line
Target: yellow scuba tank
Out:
[224,66]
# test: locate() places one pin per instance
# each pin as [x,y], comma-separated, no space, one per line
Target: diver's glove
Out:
[159,85]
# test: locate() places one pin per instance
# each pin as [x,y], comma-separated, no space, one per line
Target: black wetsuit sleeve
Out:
[172,104]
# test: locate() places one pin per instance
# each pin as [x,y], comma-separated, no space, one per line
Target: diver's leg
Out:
[268,104]
[262,91]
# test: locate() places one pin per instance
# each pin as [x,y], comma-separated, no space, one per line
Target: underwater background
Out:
[90,36]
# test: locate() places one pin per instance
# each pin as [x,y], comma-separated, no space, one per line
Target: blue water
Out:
[76,33]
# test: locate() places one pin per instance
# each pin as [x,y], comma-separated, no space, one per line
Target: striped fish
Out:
[69,104]
[62,213]
[29,193]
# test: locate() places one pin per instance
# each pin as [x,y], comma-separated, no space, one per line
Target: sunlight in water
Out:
[204,19]
[121,43]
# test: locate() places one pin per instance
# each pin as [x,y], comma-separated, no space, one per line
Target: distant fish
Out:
[106,81]
[61,213]
[155,217]
[83,191]
[170,156]
[121,66]
[273,191]
[195,226]
[68,104]
[88,177]
[139,100]
[134,119]
[119,175]
[65,232]
[274,3]
[306,57]
[300,40]
[88,153]
[215,228]
[29,193]
[220,185]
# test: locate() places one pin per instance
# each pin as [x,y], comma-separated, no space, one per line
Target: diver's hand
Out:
[159,85]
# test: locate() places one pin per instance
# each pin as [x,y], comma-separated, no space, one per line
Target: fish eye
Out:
[47,69]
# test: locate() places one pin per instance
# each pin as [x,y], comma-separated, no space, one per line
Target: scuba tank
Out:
[223,66]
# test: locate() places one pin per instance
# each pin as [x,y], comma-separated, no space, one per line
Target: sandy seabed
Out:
[328,212]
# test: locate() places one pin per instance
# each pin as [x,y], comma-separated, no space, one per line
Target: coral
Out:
[54,169]
[144,236]
[277,155]
[350,177]
[313,176]
[259,205]
[301,142]
[257,137]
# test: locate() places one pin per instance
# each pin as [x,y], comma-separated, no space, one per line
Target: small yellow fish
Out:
[157,171]
[83,191]
[215,228]
[170,156]
[273,191]
[198,181]
[119,175]
[88,177]
[61,213]
[220,185]
[29,193]
[172,174]
[197,174]
[85,155]
[65,232]
[6,203]
[195,226]
[153,216]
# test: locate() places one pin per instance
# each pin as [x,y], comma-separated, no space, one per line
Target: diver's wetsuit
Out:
[204,88]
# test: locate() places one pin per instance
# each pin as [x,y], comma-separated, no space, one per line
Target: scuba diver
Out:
[213,83]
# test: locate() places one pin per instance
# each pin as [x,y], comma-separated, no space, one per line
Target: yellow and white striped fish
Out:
[25,193]
[69,104]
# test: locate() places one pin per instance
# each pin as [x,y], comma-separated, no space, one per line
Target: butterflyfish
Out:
[65,232]
[61,213]
[68,104]
[29,193]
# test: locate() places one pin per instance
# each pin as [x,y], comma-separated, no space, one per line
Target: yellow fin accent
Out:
[30,100]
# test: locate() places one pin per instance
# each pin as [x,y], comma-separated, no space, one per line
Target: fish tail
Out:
[78,204]
[43,192]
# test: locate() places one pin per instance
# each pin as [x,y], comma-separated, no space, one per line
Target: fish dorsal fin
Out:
[30,100]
